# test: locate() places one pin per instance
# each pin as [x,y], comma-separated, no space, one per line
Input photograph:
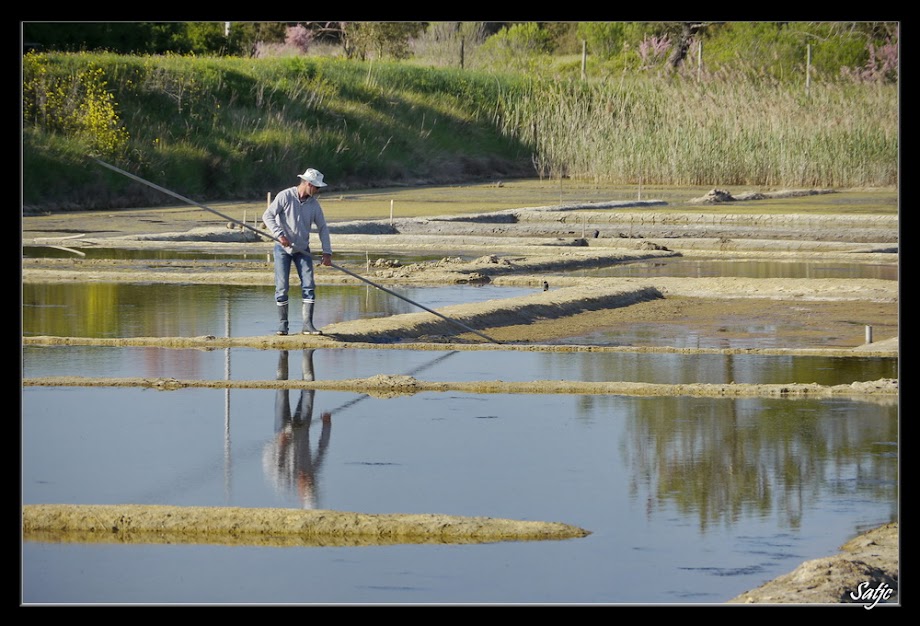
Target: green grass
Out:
[230,129]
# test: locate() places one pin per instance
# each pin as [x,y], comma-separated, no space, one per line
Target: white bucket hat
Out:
[312,176]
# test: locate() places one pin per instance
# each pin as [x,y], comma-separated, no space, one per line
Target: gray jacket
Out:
[287,215]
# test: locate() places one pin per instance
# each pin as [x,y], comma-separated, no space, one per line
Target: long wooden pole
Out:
[267,234]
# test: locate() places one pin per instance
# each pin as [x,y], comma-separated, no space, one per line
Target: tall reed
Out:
[719,132]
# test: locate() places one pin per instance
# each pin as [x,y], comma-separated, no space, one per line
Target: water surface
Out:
[689,500]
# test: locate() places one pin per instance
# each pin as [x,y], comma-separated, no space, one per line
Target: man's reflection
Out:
[287,460]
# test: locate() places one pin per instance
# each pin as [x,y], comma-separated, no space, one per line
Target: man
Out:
[288,459]
[290,218]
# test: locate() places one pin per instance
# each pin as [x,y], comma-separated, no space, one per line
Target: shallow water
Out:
[112,310]
[689,500]
[175,310]
[148,254]
[698,267]
[453,366]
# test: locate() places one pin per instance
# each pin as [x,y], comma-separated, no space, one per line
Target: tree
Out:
[120,37]
[246,36]
[207,38]
[681,44]
[604,39]
[518,46]
[380,39]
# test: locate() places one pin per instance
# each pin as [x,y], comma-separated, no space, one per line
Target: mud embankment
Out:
[261,526]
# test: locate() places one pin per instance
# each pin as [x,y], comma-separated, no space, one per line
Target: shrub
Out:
[82,107]
[882,66]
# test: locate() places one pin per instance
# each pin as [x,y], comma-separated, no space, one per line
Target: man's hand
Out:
[285,242]
[327,259]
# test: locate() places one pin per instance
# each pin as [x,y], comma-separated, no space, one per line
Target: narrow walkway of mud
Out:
[131,523]
[385,386]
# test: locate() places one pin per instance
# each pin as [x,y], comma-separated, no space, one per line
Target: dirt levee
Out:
[148,523]
[492,314]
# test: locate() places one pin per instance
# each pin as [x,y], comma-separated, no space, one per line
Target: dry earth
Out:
[524,247]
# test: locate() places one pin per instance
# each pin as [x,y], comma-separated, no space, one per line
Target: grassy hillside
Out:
[229,128]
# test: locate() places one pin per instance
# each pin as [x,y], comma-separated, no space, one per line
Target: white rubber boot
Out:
[283,318]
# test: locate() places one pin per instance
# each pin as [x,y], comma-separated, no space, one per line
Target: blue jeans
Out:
[304,265]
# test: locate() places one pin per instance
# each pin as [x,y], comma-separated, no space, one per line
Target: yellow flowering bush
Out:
[79,105]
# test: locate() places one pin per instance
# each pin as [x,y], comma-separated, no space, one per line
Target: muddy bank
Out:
[883,390]
[866,564]
[128,523]
[589,224]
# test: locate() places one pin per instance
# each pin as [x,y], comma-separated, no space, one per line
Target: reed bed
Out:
[711,133]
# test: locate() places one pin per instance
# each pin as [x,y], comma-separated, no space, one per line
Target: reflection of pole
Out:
[227,461]
[418,369]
